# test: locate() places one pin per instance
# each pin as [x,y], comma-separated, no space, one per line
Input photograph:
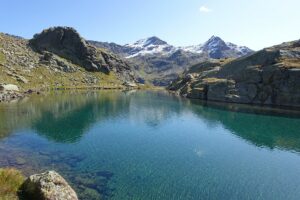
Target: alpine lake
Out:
[113,145]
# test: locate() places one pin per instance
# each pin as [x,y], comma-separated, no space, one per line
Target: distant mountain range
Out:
[159,63]
[215,48]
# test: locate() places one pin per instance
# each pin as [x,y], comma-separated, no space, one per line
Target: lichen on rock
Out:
[47,186]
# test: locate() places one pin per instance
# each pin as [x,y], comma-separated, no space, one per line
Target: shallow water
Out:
[153,145]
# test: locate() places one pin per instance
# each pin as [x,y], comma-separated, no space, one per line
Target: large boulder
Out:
[47,186]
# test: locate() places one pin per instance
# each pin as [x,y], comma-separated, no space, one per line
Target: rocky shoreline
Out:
[269,77]
[9,92]
[45,186]
[10,96]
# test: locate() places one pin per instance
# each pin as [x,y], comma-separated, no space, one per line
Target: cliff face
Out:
[268,77]
[59,57]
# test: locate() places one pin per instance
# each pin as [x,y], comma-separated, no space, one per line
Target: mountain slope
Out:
[268,77]
[159,63]
[59,57]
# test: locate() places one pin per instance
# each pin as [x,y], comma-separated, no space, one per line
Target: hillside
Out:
[59,58]
[268,77]
[157,62]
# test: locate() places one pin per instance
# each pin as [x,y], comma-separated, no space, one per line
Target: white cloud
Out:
[205,9]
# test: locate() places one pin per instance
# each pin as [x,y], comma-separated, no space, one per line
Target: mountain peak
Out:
[156,41]
[216,48]
[214,41]
[214,38]
[148,42]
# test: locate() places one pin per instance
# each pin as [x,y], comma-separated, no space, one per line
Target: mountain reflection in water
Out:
[63,119]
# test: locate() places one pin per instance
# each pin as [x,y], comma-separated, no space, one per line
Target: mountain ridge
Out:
[157,62]
[155,45]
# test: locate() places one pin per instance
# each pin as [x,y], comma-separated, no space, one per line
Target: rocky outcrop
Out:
[47,186]
[268,77]
[67,43]
[59,58]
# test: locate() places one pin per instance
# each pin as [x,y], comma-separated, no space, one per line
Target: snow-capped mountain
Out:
[151,45]
[216,48]
[243,50]
[158,62]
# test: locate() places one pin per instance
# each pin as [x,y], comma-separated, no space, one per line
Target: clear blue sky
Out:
[255,23]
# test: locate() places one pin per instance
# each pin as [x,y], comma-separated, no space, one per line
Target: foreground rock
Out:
[268,77]
[47,186]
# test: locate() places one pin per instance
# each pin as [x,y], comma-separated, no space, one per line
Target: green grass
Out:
[10,182]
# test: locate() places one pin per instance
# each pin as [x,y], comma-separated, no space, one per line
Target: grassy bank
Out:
[10,182]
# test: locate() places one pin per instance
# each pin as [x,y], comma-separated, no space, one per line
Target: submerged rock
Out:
[48,186]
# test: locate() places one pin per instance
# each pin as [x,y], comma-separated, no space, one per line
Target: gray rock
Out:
[48,186]
[130,84]
[8,87]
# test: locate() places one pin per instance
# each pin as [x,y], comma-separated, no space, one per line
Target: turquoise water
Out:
[153,145]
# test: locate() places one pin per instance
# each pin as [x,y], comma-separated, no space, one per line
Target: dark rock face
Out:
[112,47]
[268,77]
[47,186]
[67,43]
[215,47]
